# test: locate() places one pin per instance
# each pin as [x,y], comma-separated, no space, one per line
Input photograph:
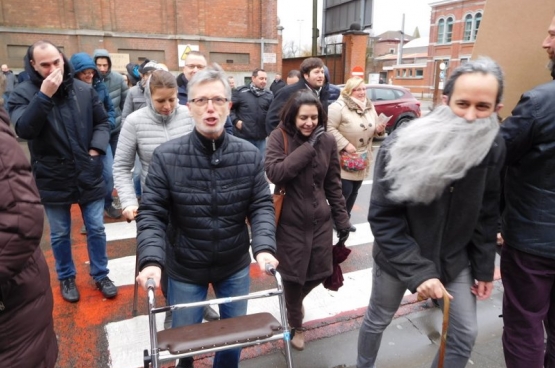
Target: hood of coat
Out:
[352,105]
[82,61]
[103,53]
[37,79]
[158,118]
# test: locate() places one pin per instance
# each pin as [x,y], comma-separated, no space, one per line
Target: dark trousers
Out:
[528,307]
[294,296]
[350,192]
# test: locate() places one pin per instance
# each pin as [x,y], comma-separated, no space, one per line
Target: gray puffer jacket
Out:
[143,131]
[116,87]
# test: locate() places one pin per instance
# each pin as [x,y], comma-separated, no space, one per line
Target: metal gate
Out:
[334,58]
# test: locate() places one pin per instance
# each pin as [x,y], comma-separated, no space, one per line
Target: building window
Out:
[464,60]
[477,20]
[229,58]
[419,73]
[392,51]
[440,30]
[468,23]
[449,30]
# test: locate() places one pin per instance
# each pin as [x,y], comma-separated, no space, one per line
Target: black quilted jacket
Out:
[196,199]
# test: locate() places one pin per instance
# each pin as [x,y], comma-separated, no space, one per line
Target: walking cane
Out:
[445,325]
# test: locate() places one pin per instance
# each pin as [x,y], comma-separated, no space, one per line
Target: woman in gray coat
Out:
[309,171]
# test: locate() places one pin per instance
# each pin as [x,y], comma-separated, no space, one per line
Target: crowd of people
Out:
[191,158]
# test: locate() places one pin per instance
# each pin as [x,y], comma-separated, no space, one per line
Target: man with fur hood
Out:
[434,210]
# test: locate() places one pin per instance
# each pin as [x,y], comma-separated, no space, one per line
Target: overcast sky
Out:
[296,17]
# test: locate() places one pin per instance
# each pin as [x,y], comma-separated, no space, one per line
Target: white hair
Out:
[430,153]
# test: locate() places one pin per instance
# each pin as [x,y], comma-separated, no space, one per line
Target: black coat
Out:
[529,215]
[277,85]
[272,118]
[203,197]
[251,110]
[418,242]
[61,130]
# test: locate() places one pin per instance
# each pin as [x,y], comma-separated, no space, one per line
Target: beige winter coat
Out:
[350,124]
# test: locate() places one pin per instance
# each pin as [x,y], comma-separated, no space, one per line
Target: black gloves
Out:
[316,135]
[343,235]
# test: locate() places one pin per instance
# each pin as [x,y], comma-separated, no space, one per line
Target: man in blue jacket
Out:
[84,69]
[434,211]
[528,226]
[68,131]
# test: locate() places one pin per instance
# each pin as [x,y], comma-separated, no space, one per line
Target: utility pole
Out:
[315,27]
[400,53]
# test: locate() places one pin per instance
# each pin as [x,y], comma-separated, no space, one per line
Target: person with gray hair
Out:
[434,210]
[199,190]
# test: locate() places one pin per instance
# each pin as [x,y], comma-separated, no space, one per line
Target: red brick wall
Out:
[154,23]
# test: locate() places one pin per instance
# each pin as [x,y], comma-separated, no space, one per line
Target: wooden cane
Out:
[445,325]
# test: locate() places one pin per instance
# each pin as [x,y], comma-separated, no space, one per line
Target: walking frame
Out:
[201,338]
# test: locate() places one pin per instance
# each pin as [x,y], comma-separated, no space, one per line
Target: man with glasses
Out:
[205,184]
[195,62]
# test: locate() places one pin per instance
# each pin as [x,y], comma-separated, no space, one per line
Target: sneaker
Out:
[112,212]
[84,230]
[107,287]
[69,290]
[210,314]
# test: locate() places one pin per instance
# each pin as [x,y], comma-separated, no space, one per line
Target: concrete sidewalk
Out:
[411,340]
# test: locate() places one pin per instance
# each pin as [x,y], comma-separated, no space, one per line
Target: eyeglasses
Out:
[88,72]
[203,101]
[197,66]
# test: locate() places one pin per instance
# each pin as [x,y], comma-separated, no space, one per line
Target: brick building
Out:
[454,26]
[238,34]
[453,31]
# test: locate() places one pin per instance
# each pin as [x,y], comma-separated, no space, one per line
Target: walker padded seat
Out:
[218,333]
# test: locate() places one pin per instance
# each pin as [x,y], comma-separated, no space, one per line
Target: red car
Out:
[393,101]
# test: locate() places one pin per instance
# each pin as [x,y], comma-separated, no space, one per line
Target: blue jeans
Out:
[260,144]
[107,174]
[59,217]
[137,176]
[387,293]
[181,292]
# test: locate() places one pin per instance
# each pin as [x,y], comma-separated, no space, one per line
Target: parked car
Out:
[393,101]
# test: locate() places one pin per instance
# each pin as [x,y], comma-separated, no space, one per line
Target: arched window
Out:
[440,30]
[468,23]
[477,20]
[449,30]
